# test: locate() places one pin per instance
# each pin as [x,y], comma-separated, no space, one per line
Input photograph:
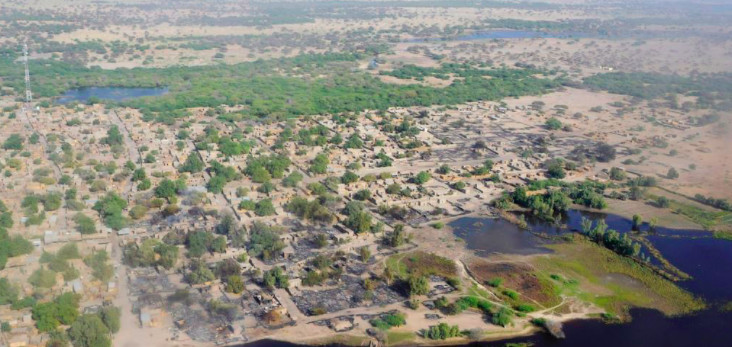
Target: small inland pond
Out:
[486,236]
[108,93]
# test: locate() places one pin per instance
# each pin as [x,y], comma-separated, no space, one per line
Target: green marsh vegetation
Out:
[588,264]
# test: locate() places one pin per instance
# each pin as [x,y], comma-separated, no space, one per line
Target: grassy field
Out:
[615,283]
[394,338]
[420,263]
[708,217]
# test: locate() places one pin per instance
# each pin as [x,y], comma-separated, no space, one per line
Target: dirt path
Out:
[133,153]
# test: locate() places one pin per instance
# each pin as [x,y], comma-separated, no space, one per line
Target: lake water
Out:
[501,34]
[487,236]
[108,93]
[706,259]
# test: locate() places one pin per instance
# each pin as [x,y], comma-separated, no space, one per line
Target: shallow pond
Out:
[108,93]
[487,236]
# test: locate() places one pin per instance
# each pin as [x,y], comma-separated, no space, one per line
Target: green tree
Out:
[264,207]
[193,164]
[168,255]
[663,201]
[114,137]
[84,224]
[166,189]
[276,277]
[110,316]
[234,284]
[8,292]
[43,278]
[110,208]
[98,262]
[216,184]
[198,243]
[139,175]
[62,310]
[292,179]
[13,142]
[502,317]
[319,165]
[442,331]
[418,285]
[358,218]
[555,169]
[617,174]
[354,141]
[89,331]
[145,184]
[349,177]
[422,177]
[218,244]
[362,195]
[637,221]
[261,175]
[200,273]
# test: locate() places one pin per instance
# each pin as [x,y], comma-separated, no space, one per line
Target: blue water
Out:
[503,35]
[108,93]
[487,236]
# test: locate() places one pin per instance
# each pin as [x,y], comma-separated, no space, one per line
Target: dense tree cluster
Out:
[609,238]
[722,204]
[110,208]
[309,210]
[151,252]
[388,321]
[200,242]
[264,242]
[62,310]
[193,164]
[557,199]
[12,246]
[263,168]
[319,164]
[276,278]
[442,331]
[358,218]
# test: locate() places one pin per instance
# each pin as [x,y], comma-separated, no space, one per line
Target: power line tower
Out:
[28,94]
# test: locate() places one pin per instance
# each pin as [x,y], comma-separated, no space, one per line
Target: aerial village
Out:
[228,232]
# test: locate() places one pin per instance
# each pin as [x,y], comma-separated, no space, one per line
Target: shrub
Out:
[495,282]
[553,124]
[442,331]
[502,317]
